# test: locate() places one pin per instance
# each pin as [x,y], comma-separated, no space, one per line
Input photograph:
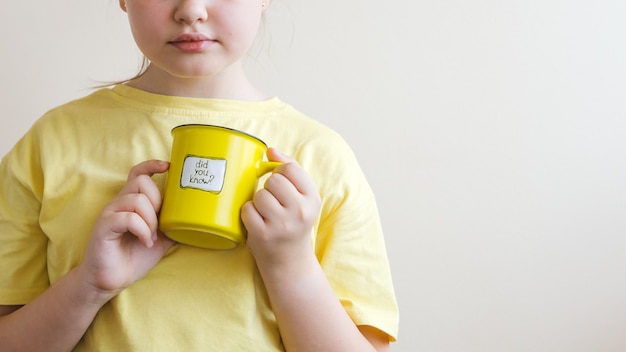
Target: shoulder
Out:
[304,134]
[85,106]
[322,151]
[83,121]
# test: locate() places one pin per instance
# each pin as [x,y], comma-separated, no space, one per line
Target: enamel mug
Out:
[213,171]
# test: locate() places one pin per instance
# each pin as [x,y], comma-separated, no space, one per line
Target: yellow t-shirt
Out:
[75,159]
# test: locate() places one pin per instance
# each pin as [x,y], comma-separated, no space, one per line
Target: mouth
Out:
[191,42]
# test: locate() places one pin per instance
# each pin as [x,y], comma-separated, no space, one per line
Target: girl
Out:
[84,266]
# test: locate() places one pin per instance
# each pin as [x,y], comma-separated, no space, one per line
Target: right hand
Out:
[125,243]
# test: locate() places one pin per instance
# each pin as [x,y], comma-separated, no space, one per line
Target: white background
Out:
[493,133]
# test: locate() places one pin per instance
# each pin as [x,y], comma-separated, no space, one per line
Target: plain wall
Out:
[493,133]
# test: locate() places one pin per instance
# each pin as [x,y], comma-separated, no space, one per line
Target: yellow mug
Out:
[213,171]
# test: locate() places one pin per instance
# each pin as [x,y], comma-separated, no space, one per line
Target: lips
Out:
[191,42]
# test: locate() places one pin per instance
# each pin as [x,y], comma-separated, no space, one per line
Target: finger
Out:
[292,171]
[131,223]
[141,205]
[298,177]
[143,184]
[148,168]
[266,205]
[274,154]
[251,218]
[282,189]
[139,180]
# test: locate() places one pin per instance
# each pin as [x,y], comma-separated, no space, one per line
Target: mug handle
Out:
[264,167]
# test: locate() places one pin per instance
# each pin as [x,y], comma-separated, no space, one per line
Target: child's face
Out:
[193,38]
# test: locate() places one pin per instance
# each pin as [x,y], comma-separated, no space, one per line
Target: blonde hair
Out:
[143,67]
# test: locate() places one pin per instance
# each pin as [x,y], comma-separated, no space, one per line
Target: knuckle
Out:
[258,196]
[134,198]
[289,168]
[142,179]
[275,180]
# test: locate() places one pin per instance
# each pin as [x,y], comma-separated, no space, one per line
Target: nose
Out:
[191,11]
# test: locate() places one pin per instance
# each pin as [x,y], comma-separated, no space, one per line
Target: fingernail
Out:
[278,152]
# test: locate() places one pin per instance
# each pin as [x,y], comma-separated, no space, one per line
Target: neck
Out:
[233,85]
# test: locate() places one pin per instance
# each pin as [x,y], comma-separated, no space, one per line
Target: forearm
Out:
[309,314]
[54,321]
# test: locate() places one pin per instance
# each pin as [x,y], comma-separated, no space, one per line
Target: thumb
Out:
[274,154]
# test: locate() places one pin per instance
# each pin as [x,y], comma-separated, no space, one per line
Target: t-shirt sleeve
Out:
[22,242]
[349,242]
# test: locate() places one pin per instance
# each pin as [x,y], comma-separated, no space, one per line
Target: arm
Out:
[309,314]
[54,321]
[123,247]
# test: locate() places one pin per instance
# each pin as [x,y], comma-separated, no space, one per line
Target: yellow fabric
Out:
[76,158]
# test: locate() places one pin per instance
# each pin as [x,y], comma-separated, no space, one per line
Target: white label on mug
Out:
[203,173]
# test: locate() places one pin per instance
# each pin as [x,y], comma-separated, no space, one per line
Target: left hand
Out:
[281,215]
[125,243]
